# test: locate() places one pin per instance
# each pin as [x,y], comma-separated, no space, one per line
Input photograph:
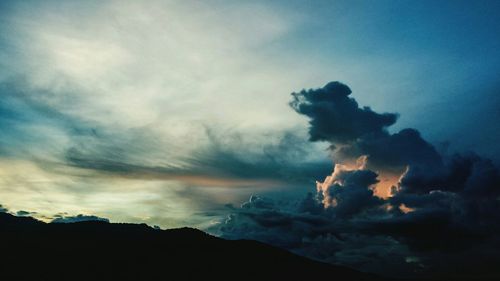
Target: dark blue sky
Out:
[435,62]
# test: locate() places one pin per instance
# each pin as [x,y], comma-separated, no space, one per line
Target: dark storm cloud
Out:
[442,224]
[455,208]
[285,227]
[337,118]
[443,207]
[306,228]
[468,174]
[390,151]
[353,131]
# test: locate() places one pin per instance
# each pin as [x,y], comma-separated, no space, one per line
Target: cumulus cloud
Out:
[438,207]
[337,118]
[387,151]
[349,192]
[469,175]
[355,131]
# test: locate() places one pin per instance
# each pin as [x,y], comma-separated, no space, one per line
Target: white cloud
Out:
[149,77]
[136,63]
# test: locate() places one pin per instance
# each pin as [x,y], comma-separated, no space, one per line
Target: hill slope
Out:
[34,250]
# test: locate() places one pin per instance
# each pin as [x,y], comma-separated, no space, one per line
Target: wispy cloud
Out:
[99,94]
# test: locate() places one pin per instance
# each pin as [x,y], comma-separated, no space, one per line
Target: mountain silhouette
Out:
[93,250]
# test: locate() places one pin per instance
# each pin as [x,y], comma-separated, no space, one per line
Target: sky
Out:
[221,115]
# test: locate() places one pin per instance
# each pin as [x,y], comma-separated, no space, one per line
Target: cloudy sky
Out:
[175,113]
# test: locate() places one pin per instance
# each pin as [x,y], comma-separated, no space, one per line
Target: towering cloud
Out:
[387,191]
[355,132]
[337,118]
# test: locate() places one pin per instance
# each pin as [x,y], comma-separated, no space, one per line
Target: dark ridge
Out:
[93,250]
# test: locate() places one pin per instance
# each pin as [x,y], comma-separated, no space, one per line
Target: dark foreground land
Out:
[33,250]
